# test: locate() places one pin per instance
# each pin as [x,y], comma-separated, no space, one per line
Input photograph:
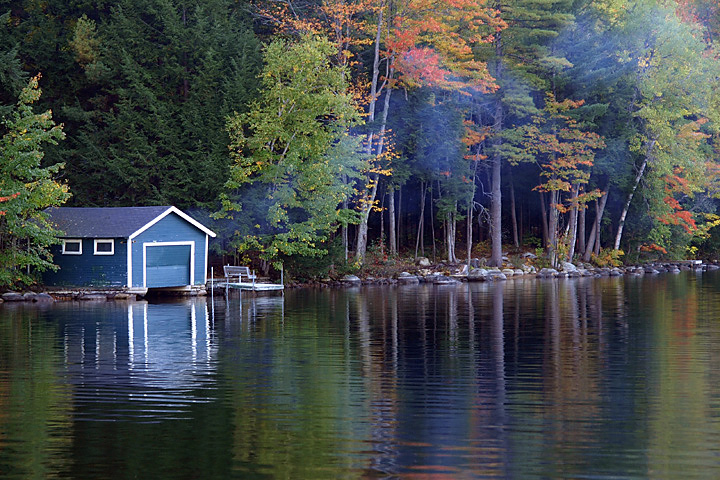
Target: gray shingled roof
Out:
[109,222]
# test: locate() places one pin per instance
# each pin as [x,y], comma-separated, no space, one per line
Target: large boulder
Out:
[547,273]
[423,262]
[12,297]
[407,279]
[568,267]
[496,275]
[477,275]
[443,280]
[351,280]
[44,297]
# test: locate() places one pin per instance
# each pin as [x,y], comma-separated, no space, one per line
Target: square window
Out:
[72,247]
[104,246]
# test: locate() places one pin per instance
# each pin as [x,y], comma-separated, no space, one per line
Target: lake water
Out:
[574,378]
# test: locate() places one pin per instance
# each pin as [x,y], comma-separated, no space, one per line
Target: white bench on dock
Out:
[239,272]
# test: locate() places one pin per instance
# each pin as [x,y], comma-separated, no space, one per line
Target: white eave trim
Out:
[182,215]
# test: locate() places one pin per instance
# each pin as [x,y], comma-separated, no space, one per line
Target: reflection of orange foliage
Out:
[685,322]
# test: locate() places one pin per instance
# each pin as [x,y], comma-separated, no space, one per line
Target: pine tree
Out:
[523,62]
[26,189]
[160,78]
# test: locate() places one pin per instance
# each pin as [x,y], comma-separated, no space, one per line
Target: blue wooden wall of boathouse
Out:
[88,269]
[164,235]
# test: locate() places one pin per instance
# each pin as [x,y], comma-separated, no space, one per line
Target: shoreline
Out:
[437,275]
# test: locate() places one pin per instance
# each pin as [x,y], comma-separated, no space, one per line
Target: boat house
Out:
[137,248]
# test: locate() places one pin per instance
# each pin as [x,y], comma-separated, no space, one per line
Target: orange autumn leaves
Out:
[427,42]
[566,151]
[433,42]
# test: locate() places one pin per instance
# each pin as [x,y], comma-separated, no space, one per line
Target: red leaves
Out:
[421,66]
[653,247]
[678,216]
[432,42]
[5,199]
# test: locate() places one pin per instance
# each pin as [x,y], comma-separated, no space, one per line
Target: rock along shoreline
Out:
[437,275]
[460,274]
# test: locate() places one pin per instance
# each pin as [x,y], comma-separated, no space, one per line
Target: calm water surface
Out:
[581,378]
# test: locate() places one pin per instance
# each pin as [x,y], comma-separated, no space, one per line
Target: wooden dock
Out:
[251,286]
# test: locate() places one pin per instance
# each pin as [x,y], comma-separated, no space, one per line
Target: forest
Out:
[324,135]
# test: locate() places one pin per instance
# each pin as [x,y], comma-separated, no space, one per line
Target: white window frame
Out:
[72,240]
[104,240]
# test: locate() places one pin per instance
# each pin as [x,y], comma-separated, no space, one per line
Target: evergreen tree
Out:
[523,62]
[26,189]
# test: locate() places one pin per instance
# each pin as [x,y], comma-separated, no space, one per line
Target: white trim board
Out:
[168,244]
[182,215]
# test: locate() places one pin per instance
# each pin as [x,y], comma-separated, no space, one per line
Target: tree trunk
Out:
[382,226]
[513,214]
[363,227]
[361,244]
[469,234]
[451,236]
[573,224]
[594,238]
[544,216]
[553,223]
[496,192]
[344,228]
[399,219]
[626,207]
[391,222]
[496,199]
[421,222]
[432,226]
[581,229]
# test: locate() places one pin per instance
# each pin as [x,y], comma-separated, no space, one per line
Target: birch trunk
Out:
[361,245]
[513,214]
[421,222]
[573,224]
[626,207]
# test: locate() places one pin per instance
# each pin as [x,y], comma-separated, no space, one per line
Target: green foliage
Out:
[143,88]
[26,189]
[608,257]
[295,143]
